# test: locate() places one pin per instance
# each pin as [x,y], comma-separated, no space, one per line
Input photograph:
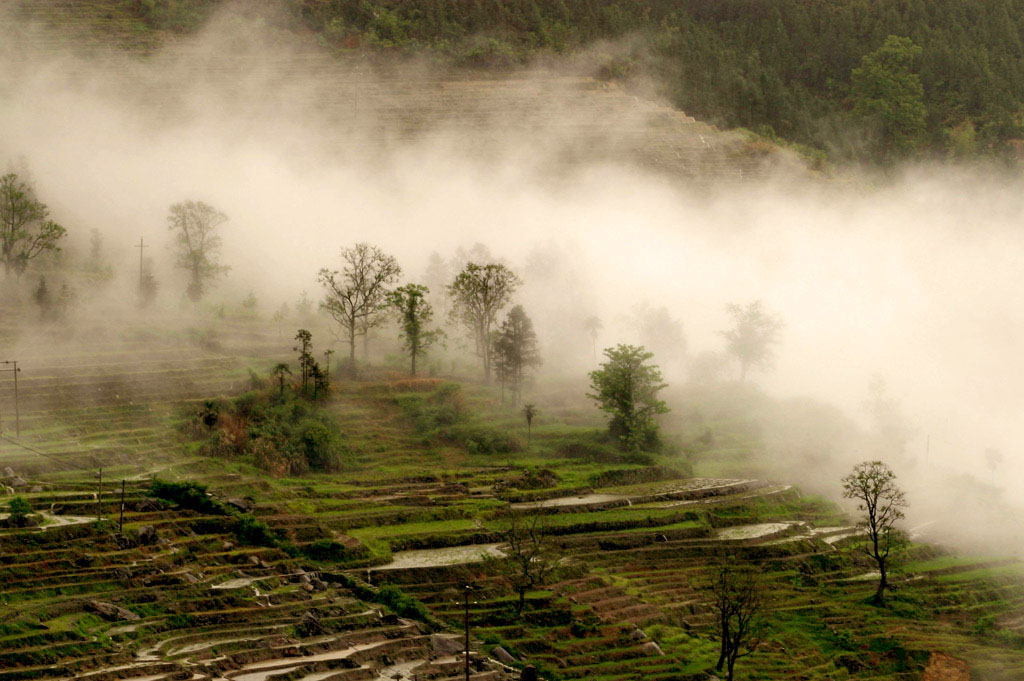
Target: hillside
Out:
[190,589]
[781,68]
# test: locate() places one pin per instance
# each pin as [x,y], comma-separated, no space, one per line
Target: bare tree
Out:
[873,485]
[530,558]
[737,599]
[479,293]
[357,295]
[753,334]
[25,231]
[194,224]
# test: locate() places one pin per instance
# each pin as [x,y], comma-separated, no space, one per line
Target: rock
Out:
[529,673]
[189,578]
[652,648]
[36,489]
[254,560]
[502,655]
[444,646]
[942,667]
[227,546]
[310,625]
[245,505]
[111,612]
[124,574]
[637,635]
[18,481]
[146,535]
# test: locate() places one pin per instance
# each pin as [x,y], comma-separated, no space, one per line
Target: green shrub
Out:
[19,509]
[403,604]
[249,530]
[188,495]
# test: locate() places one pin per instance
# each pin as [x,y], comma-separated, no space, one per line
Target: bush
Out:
[19,509]
[403,604]
[249,530]
[634,476]
[600,452]
[281,434]
[188,495]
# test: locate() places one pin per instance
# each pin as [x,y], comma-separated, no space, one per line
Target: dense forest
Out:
[786,69]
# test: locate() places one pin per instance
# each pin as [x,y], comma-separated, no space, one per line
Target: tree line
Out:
[782,68]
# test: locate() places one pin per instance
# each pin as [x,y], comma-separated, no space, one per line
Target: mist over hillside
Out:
[912,279]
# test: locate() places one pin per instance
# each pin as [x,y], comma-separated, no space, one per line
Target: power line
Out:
[48,456]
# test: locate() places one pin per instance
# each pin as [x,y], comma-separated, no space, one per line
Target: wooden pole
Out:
[120,522]
[467,632]
[99,496]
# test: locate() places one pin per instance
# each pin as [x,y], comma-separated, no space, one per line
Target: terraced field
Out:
[179,593]
[365,113]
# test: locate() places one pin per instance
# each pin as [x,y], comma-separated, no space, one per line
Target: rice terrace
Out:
[412,340]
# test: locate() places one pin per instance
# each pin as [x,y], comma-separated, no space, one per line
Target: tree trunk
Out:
[724,650]
[522,601]
[879,597]
[352,350]
[413,372]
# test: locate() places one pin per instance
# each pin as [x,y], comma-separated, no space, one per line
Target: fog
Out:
[913,277]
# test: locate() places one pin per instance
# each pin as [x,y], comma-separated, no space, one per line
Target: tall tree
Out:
[753,335]
[593,326]
[478,294]
[414,316]
[515,351]
[873,485]
[627,387]
[25,231]
[194,225]
[888,94]
[357,296]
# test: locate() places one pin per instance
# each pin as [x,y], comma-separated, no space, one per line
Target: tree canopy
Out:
[479,293]
[194,225]
[356,296]
[626,387]
[26,232]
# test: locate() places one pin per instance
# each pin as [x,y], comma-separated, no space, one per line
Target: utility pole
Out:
[99,496]
[468,587]
[120,522]
[17,414]
[141,246]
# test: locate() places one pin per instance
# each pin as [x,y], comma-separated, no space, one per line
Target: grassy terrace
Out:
[629,603]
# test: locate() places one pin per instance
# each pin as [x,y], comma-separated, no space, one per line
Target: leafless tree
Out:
[873,485]
[738,600]
[530,558]
[357,295]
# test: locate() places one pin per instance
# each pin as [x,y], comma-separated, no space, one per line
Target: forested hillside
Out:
[784,68]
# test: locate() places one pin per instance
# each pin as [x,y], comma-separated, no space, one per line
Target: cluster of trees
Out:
[364,293]
[27,233]
[809,73]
